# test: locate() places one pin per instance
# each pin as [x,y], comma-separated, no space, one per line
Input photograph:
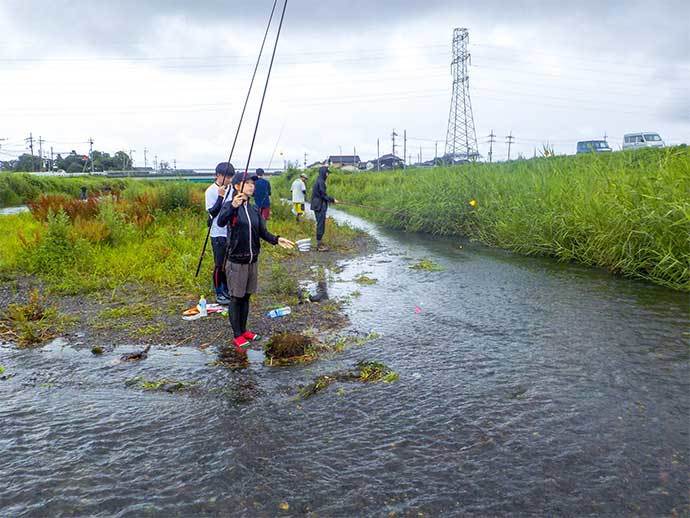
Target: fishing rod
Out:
[263,97]
[239,126]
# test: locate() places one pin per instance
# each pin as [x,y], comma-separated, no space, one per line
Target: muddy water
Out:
[526,387]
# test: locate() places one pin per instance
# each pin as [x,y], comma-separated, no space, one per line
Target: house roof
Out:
[344,159]
[388,156]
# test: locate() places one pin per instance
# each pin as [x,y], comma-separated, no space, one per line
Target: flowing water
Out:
[526,387]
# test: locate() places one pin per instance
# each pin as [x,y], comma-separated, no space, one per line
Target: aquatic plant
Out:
[427,265]
[364,280]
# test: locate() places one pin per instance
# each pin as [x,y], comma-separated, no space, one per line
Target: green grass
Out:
[151,236]
[628,212]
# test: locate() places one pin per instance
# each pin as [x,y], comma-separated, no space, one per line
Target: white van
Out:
[638,140]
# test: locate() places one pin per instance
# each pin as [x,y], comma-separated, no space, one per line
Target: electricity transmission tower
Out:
[461,139]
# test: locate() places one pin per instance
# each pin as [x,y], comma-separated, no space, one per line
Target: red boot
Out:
[240,344]
[252,337]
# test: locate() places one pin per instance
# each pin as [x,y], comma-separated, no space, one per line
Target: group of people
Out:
[237,227]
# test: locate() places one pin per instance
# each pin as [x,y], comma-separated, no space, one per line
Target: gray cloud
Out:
[658,29]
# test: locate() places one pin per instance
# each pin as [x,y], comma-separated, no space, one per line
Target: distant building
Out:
[316,164]
[344,160]
[388,161]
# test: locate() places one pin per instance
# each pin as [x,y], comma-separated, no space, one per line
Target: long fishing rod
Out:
[239,126]
[263,97]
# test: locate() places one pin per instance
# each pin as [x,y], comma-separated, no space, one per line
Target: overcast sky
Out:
[171,76]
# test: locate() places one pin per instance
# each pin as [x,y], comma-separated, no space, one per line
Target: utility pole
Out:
[175,164]
[378,156]
[91,152]
[131,158]
[305,160]
[436,150]
[155,163]
[420,154]
[393,135]
[492,139]
[40,153]
[145,160]
[51,158]
[606,137]
[509,141]
[404,143]
[30,140]
[461,138]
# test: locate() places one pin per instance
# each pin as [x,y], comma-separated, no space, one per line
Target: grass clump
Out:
[164,385]
[364,280]
[364,372]
[426,265]
[286,348]
[32,323]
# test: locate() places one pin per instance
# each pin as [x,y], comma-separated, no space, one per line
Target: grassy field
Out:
[628,212]
[149,235]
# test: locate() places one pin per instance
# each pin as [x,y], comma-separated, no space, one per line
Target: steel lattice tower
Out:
[461,139]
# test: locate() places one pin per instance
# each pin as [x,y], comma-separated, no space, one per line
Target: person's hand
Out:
[286,243]
[335,201]
[239,200]
[221,191]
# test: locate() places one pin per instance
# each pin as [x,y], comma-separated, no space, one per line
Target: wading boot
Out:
[320,247]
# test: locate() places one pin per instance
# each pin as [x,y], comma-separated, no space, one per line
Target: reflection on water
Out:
[526,387]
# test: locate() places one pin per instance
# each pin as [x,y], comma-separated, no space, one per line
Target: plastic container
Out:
[303,245]
[280,312]
[202,307]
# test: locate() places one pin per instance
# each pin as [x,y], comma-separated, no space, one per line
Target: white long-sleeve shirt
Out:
[298,189]
[211,197]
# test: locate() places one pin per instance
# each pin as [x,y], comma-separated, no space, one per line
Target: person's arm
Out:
[265,234]
[269,187]
[324,194]
[213,206]
[227,211]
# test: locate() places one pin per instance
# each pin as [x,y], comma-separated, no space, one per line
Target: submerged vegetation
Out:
[628,212]
[364,372]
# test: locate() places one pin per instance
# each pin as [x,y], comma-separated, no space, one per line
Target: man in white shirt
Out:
[215,195]
[299,192]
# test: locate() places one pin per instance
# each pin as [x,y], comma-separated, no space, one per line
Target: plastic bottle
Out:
[280,312]
[202,307]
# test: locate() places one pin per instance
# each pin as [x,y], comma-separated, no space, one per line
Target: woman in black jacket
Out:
[246,228]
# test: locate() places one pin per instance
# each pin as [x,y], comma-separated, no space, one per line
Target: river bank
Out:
[121,271]
[627,212]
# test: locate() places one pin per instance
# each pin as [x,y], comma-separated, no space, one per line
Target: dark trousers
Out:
[238,314]
[220,282]
[320,223]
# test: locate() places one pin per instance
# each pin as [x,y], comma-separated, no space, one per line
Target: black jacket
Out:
[319,197]
[245,227]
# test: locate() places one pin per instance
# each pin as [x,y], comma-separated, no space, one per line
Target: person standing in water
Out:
[246,228]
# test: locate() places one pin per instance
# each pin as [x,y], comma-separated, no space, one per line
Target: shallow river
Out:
[526,387]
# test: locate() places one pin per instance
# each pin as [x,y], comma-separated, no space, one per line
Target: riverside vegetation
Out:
[628,212]
[133,245]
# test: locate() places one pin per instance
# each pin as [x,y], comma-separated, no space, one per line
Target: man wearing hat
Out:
[215,195]
[262,194]
[299,193]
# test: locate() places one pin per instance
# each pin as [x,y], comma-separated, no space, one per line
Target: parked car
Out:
[638,140]
[593,146]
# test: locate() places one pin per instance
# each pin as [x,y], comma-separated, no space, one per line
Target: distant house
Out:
[316,164]
[388,161]
[344,160]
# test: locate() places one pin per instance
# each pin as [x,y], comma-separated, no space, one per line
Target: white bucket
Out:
[303,245]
